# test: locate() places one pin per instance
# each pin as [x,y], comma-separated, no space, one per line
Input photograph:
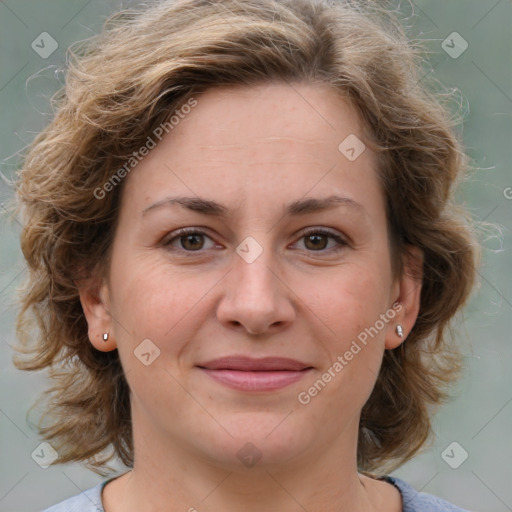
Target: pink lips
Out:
[247,374]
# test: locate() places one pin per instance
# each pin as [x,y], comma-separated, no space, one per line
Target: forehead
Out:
[267,141]
[298,114]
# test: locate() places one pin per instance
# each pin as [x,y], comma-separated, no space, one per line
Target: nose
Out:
[255,297]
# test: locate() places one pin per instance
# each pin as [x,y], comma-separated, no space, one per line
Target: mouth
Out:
[248,374]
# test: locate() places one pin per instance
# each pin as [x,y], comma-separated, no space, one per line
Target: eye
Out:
[316,239]
[189,240]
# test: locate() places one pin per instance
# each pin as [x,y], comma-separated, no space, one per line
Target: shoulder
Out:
[86,501]
[415,501]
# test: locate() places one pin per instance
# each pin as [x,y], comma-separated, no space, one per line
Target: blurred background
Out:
[470,52]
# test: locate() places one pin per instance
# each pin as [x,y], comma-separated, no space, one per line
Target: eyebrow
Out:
[296,208]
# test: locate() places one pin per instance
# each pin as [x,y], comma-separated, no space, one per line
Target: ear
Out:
[95,301]
[407,294]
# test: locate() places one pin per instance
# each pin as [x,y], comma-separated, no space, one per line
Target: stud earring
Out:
[399,331]
[105,336]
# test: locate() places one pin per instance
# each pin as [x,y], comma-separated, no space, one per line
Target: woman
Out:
[244,258]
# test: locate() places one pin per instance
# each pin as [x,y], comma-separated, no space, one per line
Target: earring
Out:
[105,336]
[399,331]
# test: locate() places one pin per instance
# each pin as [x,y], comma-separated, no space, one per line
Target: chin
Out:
[257,440]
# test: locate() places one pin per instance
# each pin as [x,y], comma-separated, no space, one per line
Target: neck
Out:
[175,478]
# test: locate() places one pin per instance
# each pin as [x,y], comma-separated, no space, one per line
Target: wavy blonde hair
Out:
[123,83]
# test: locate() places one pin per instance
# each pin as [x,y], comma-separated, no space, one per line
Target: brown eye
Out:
[192,242]
[188,240]
[318,240]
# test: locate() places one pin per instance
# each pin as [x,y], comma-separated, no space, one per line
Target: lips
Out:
[265,364]
[248,374]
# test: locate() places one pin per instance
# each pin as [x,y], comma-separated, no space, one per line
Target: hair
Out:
[125,82]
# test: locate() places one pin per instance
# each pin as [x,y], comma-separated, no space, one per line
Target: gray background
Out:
[479,418]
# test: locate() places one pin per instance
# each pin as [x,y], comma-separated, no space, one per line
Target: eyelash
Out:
[194,231]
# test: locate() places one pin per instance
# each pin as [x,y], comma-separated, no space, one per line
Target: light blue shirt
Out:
[90,500]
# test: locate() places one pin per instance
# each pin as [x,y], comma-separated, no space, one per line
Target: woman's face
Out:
[288,258]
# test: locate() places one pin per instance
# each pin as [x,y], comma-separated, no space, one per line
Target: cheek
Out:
[348,310]
[349,301]
[151,301]
[342,386]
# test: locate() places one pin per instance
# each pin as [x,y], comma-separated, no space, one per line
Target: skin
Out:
[253,149]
